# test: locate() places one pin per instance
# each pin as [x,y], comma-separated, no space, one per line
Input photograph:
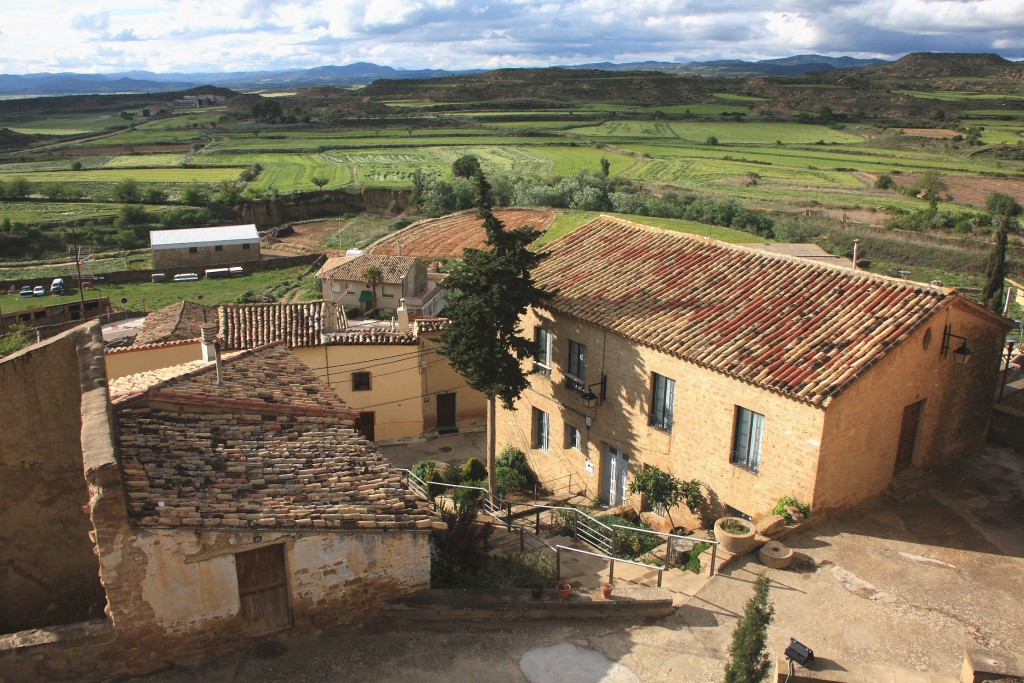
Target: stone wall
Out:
[48,573]
[863,424]
[699,443]
[205,256]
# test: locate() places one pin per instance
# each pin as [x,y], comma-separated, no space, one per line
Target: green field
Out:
[153,295]
[142,175]
[146,161]
[66,125]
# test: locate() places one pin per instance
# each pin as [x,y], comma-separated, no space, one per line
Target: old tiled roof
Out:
[790,325]
[244,326]
[272,449]
[182,320]
[369,336]
[425,325]
[391,268]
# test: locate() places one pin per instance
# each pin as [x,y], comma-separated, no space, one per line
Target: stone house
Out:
[759,374]
[402,278]
[199,247]
[221,500]
[396,382]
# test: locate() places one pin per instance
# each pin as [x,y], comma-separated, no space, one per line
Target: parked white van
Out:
[57,286]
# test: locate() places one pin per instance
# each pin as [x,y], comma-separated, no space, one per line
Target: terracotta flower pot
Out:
[606,591]
[564,590]
[731,541]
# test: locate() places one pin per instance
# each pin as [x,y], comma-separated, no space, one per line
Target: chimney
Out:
[209,332]
[403,318]
[211,349]
[856,248]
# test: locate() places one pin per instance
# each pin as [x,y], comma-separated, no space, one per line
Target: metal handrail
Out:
[712,542]
[611,563]
[544,485]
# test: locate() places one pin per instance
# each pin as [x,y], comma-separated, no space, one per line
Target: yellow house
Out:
[759,374]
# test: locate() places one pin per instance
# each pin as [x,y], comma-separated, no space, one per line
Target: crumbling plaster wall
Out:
[48,572]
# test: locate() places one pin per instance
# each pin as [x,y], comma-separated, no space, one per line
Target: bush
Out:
[509,481]
[522,571]
[513,458]
[427,471]
[474,470]
[469,495]
[780,508]
[693,560]
[748,656]
[452,473]
[463,546]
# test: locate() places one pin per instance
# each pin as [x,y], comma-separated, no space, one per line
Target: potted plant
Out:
[606,589]
[537,591]
[734,534]
[563,589]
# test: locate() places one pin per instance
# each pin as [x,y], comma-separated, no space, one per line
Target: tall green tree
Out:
[1003,209]
[126,191]
[487,293]
[371,278]
[748,651]
[466,166]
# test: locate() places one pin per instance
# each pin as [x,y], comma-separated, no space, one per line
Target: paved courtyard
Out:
[905,584]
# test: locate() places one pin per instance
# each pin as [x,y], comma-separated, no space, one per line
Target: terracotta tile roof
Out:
[369,336]
[426,325]
[391,268]
[807,251]
[244,326]
[177,321]
[111,348]
[793,326]
[272,449]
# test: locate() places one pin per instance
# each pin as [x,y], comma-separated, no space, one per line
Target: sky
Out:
[253,35]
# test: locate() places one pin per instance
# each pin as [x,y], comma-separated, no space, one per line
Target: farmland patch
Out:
[447,236]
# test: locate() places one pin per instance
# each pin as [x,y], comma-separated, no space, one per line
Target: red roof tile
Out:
[392,268]
[791,325]
[244,326]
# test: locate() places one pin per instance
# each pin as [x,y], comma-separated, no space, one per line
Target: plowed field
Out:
[447,236]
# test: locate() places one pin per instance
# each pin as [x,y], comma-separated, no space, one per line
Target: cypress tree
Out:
[1003,207]
[486,293]
[748,656]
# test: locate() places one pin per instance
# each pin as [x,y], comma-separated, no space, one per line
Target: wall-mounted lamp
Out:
[961,354]
[589,396]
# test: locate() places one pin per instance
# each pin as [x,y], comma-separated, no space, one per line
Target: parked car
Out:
[39,291]
[186,277]
[26,290]
[57,286]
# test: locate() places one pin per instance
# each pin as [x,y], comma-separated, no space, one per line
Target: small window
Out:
[352,287]
[573,437]
[193,250]
[336,287]
[541,430]
[219,247]
[663,396]
[387,291]
[245,247]
[542,361]
[577,372]
[360,381]
[746,444]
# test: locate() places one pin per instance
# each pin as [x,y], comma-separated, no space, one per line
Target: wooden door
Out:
[446,422]
[908,437]
[366,425]
[263,589]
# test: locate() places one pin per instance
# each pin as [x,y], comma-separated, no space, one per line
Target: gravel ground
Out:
[905,585]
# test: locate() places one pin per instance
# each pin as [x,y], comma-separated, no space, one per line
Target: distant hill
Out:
[950,65]
[361,73]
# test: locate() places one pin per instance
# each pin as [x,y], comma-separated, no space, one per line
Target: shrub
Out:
[748,659]
[474,470]
[469,495]
[522,571]
[692,563]
[463,546]
[512,458]
[427,471]
[509,481]
[452,473]
[780,508]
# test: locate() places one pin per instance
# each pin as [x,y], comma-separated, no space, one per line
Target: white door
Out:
[613,485]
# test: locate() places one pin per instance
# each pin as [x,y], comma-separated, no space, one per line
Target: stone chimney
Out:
[403,318]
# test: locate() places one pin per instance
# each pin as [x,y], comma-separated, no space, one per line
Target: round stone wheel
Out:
[775,555]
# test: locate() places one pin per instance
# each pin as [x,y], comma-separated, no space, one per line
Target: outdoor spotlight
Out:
[799,653]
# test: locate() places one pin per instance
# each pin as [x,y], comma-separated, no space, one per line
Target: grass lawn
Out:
[567,221]
[153,295]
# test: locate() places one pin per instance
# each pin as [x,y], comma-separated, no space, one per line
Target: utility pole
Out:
[78,267]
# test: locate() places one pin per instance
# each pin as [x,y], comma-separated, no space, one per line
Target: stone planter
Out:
[732,542]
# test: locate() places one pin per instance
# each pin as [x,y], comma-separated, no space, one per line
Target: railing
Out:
[611,563]
[545,485]
[675,537]
[596,533]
